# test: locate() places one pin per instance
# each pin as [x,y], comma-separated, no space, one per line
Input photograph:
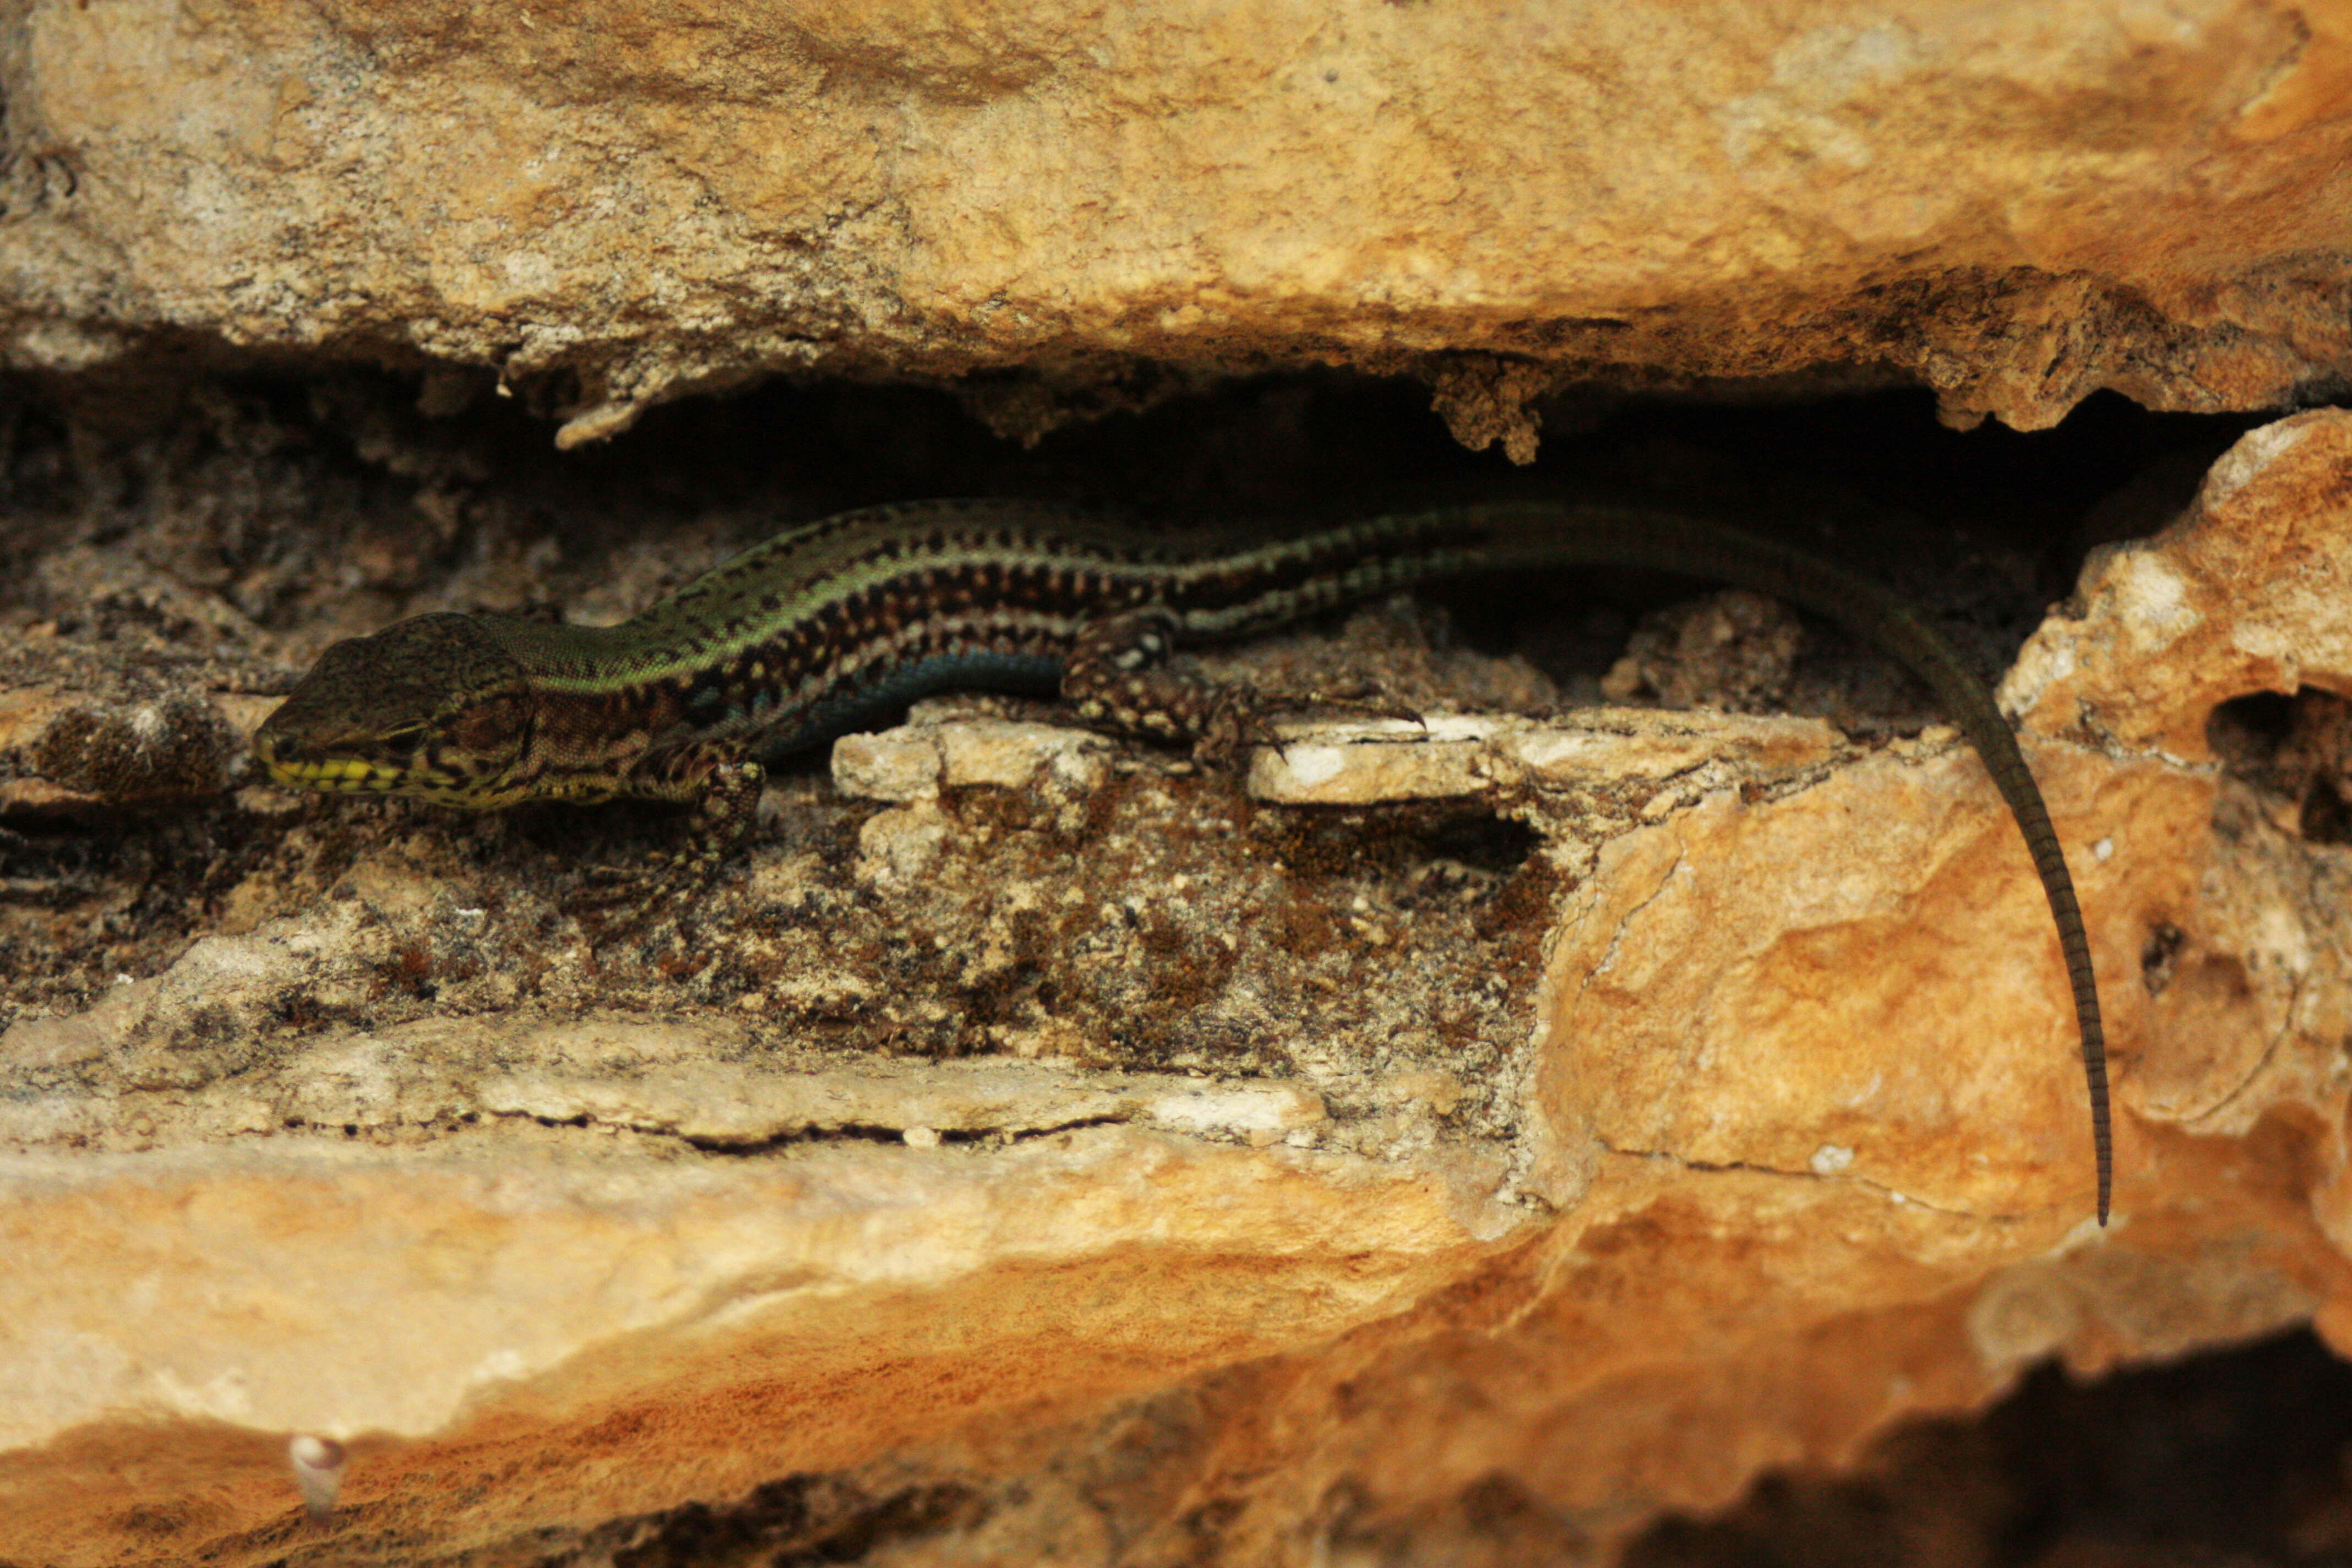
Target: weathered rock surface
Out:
[1776,1136]
[608,207]
[1483,1132]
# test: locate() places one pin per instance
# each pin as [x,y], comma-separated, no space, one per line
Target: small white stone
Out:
[921,1137]
[318,1472]
[902,764]
[1830,1159]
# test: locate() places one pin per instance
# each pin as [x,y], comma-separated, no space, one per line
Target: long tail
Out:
[1534,534]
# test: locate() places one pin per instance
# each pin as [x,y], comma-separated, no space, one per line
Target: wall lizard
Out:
[836,623]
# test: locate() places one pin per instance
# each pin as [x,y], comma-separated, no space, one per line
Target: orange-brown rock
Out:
[611,205]
[1796,1146]
[1349,1202]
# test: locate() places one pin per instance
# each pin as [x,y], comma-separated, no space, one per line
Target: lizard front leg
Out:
[724,790]
[721,784]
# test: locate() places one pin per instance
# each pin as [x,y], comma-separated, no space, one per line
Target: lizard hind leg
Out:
[1118,676]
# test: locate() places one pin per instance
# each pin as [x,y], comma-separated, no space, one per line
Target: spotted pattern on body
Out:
[835,623]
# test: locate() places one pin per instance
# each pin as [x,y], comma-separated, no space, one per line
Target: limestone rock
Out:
[1793,1143]
[604,208]
[1488,1131]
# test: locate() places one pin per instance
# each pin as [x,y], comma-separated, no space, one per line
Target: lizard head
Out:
[435,707]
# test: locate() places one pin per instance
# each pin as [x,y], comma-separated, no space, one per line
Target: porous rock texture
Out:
[1761,1130]
[611,205]
[1040,1151]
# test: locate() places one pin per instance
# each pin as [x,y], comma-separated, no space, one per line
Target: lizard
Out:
[836,623]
